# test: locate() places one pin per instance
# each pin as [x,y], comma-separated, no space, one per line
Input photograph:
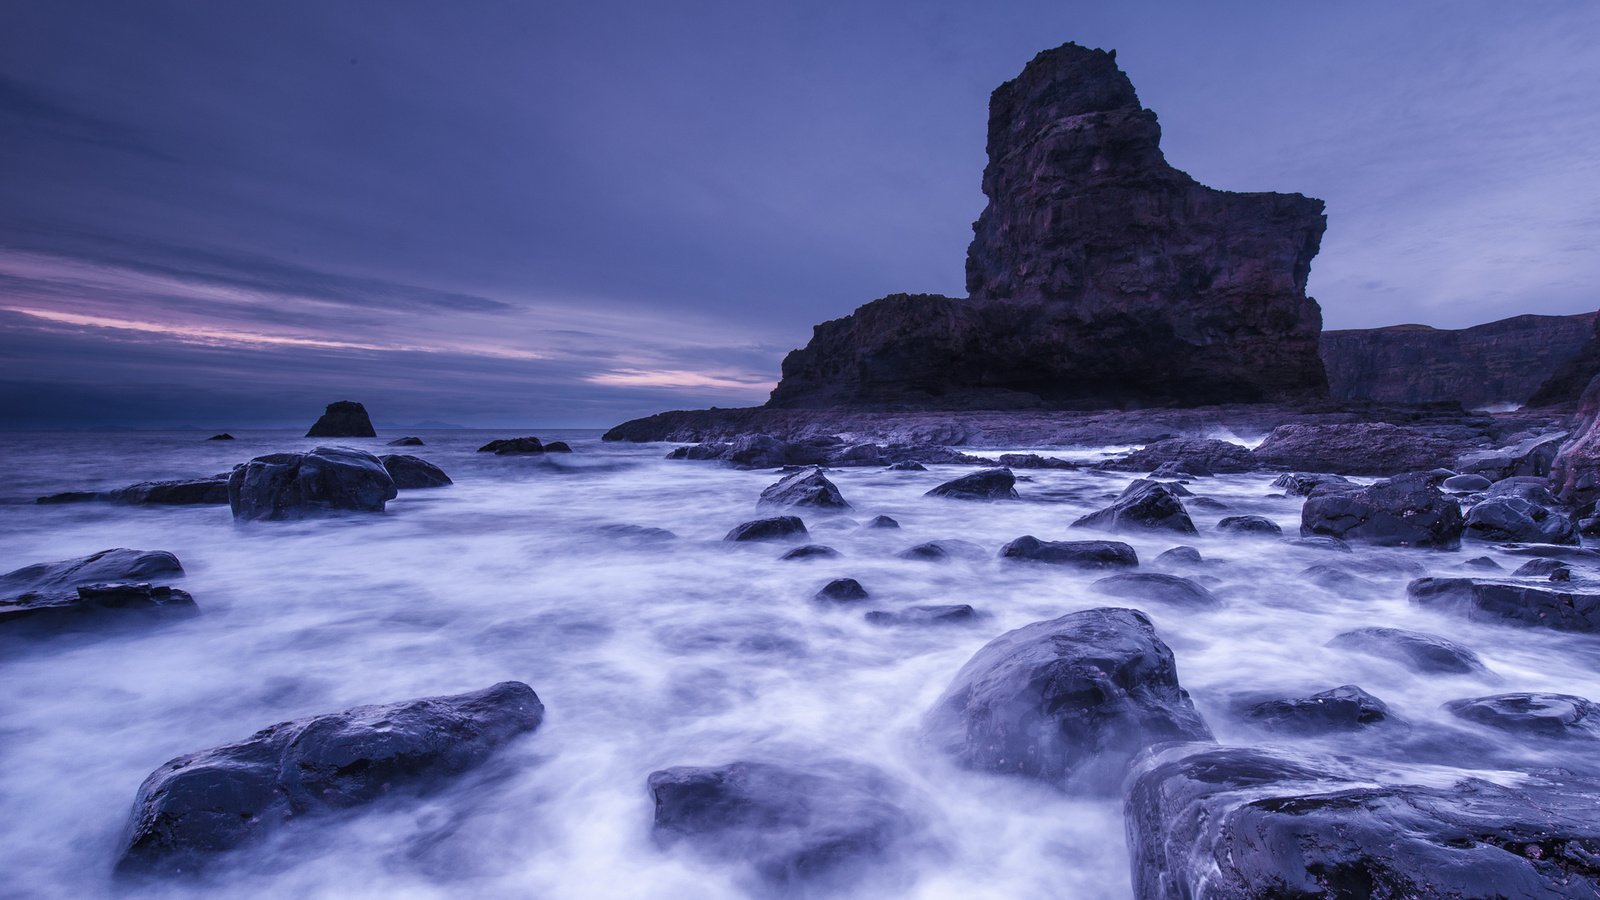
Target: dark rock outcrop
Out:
[988,484]
[407,441]
[1344,708]
[1358,448]
[1535,715]
[411,472]
[1575,473]
[810,489]
[939,551]
[1406,511]
[1465,484]
[882,522]
[946,614]
[1256,824]
[1079,554]
[795,826]
[1249,525]
[1143,505]
[811,551]
[224,436]
[91,590]
[521,446]
[296,485]
[1068,701]
[1506,361]
[1159,588]
[1510,603]
[557,447]
[1301,484]
[1531,457]
[773,528]
[841,590]
[1197,456]
[1420,652]
[1515,519]
[344,418]
[203,804]
[1099,275]
[196,492]
[1565,384]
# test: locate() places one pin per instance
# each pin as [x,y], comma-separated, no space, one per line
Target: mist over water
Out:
[649,655]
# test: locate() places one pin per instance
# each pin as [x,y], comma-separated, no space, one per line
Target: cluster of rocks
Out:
[524,446]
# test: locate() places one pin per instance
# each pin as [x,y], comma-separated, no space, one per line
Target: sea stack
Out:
[343,418]
[1100,276]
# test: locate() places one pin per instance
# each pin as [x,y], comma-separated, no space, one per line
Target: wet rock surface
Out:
[1080,554]
[934,614]
[1159,588]
[809,489]
[1561,609]
[1418,651]
[1406,511]
[1199,457]
[521,446]
[987,484]
[772,528]
[297,485]
[1143,506]
[1561,716]
[412,472]
[96,591]
[1359,448]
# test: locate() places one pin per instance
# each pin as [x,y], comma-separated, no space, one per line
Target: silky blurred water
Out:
[693,651]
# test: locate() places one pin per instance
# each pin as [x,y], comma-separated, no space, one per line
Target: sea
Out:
[691,651]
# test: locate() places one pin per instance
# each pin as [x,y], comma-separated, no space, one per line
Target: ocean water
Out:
[690,652]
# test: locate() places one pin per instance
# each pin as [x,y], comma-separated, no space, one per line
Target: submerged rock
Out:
[203,804]
[774,528]
[1034,461]
[62,578]
[520,446]
[1143,506]
[1081,554]
[95,590]
[811,551]
[1535,715]
[344,418]
[1200,457]
[794,825]
[988,484]
[841,590]
[1246,823]
[923,615]
[195,492]
[1510,603]
[1344,708]
[557,447]
[1249,525]
[1068,701]
[810,489]
[1416,650]
[939,551]
[411,472]
[1179,556]
[881,522]
[1301,484]
[296,485]
[643,534]
[406,442]
[1405,511]
[1157,587]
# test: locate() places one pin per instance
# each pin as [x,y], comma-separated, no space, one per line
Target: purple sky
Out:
[542,214]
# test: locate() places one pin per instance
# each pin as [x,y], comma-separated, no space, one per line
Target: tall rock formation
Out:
[343,418]
[1507,361]
[1100,276]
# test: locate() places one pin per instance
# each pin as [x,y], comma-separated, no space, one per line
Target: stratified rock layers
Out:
[1100,276]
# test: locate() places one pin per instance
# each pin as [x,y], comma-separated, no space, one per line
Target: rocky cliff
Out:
[1499,362]
[1100,276]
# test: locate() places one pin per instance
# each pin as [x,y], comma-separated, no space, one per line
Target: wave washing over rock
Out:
[730,719]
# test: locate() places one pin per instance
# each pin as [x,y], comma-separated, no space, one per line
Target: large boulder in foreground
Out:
[1144,505]
[796,826]
[1360,448]
[412,472]
[1068,701]
[1510,603]
[94,588]
[297,485]
[203,804]
[1246,823]
[809,489]
[345,418]
[1405,511]
[1099,276]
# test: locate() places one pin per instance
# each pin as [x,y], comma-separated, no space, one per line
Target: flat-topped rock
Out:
[297,485]
[343,418]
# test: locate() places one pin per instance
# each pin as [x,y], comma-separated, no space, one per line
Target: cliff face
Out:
[1100,276]
[1500,362]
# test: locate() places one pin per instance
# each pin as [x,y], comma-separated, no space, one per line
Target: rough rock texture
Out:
[1575,473]
[91,590]
[1529,457]
[1079,554]
[411,472]
[1068,701]
[1249,525]
[296,485]
[1407,511]
[793,825]
[1509,603]
[1246,823]
[773,528]
[200,805]
[1143,506]
[1416,650]
[408,441]
[1365,448]
[1501,519]
[1099,275]
[62,578]
[345,418]
[1565,385]
[1344,708]
[1499,362]
[987,484]
[1196,456]
[1534,715]
[810,489]
[1301,484]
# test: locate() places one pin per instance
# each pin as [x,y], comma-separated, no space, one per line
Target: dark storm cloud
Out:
[600,210]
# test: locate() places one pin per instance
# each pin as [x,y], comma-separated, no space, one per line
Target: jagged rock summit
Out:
[1100,276]
[343,418]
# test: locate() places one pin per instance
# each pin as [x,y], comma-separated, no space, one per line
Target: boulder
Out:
[1405,511]
[1079,554]
[841,590]
[1143,506]
[1159,588]
[1337,579]
[1179,556]
[513,446]
[939,551]
[1034,461]
[1533,715]
[1466,484]
[1197,456]
[1553,569]
[1513,519]
[774,528]
[988,484]
[811,551]
[196,492]
[203,804]
[102,589]
[1510,603]
[807,489]
[62,578]
[881,522]
[224,436]
[1418,651]
[907,467]
[923,615]
[816,826]
[1575,472]
[406,442]
[1301,484]
[1532,457]
[1246,823]
[1358,448]
[1068,701]
[1344,708]
[344,418]
[296,485]
[411,472]
[1249,525]
[557,447]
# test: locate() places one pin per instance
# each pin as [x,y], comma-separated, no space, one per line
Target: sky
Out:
[226,215]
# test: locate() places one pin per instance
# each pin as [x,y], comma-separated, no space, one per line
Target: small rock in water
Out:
[841,590]
[1519,520]
[939,551]
[1483,562]
[1416,650]
[344,418]
[224,436]
[1553,569]
[1082,554]
[1144,505]
[774,528]
[812,551]
[406,442]
[1344,708]
[1322,542]
[73,497]
[1157,587]
[1300,484]
[881,522]
[1405,511]
[808,488]
[1179,556]
[1466,484]
[1539,715]
[643,534]
[907,467]
[513,446]
[1249,525]
[988,484]
[923,615]
[1510,603]
[198,492]
[557,447]
[411,472]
